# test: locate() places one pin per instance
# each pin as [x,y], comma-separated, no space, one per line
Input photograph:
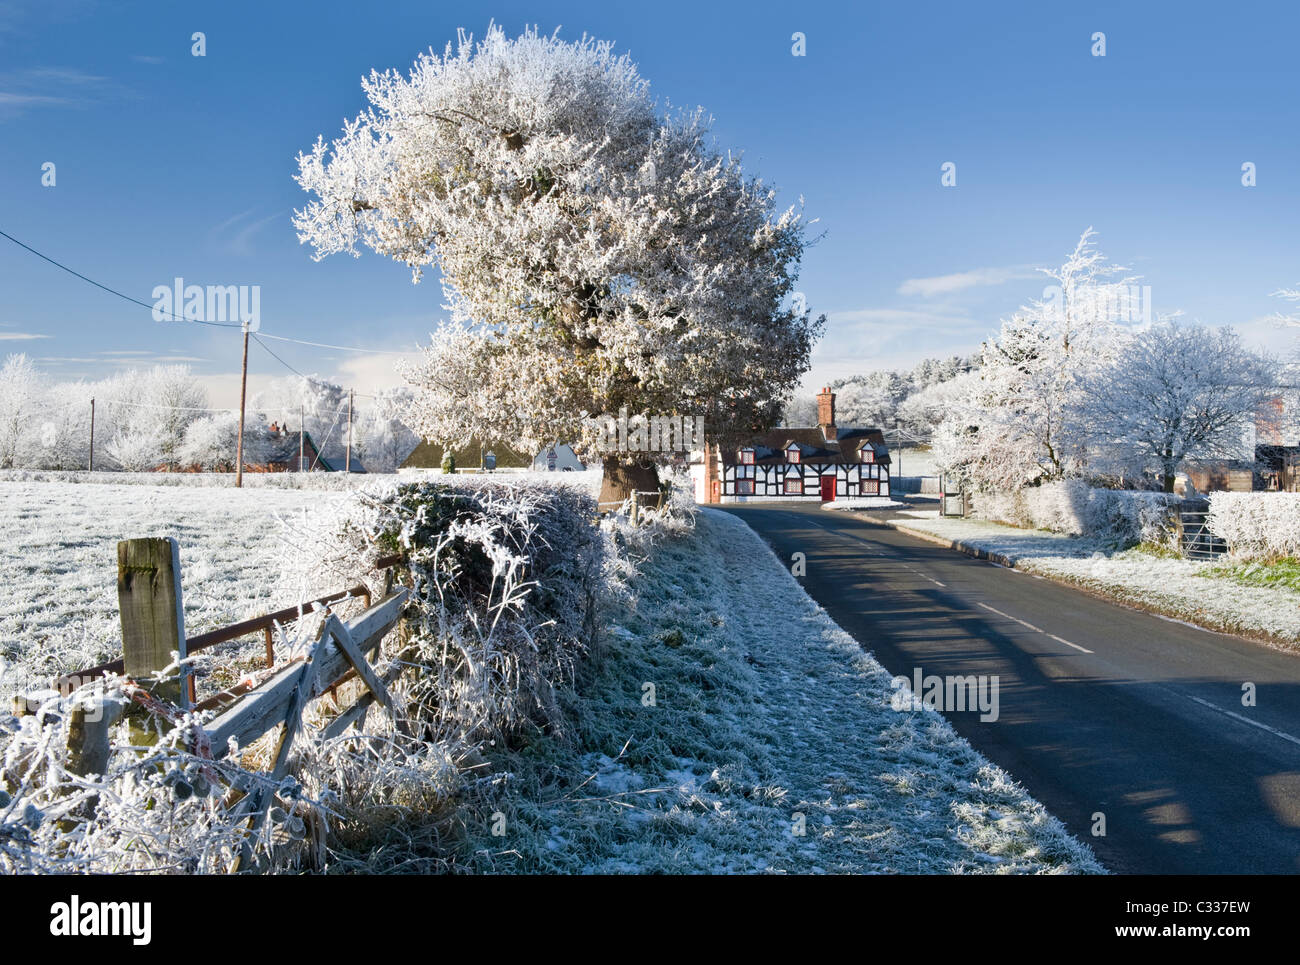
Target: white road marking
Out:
[1246,720]
[1010,617]
[1068,643]
[922,575]
[1034,628]
[984,605]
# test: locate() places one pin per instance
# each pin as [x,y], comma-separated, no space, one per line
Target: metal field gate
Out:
[1194,537]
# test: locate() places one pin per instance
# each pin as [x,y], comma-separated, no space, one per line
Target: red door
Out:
[828,489]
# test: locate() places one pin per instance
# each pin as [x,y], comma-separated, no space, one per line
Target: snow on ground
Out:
[1185,589]
[59,561]
[862,502]
[724,706]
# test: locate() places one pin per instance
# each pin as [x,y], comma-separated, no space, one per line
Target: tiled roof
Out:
[770,447]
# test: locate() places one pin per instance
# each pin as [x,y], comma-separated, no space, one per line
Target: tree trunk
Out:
[625,474]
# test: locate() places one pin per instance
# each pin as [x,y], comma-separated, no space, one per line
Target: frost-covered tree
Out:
[594,252]
[146,413]
[1022,422]
[384,439]
[928,407]
[1178,392]
[871,402]
[63,437]
[800,410]
[20,402]
[211,441]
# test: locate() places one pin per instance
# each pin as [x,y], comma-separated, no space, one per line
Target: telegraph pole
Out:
[243,394]
[898,431]
[347,458]
[302,430]
[92,434]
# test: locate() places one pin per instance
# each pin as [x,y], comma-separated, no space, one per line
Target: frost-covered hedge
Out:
[1257,525]
[1119,516]
[504,578]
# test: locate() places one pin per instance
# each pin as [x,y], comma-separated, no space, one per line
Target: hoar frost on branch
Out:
[594,253]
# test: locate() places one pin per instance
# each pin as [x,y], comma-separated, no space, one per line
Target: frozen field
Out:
[59,561]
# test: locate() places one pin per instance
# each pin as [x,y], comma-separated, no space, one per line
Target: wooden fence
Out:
[153,631]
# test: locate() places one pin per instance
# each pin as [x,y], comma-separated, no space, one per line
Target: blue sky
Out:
[173,165]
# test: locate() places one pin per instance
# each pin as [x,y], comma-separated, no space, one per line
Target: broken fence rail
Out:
[265,623]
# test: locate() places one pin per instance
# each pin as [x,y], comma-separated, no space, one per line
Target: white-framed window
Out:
[746,457]
[868,454]
[744,487]
[792,454]
[871,487]
[794,486]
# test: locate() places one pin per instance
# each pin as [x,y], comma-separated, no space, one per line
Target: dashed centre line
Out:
[1034,628]
[925,576]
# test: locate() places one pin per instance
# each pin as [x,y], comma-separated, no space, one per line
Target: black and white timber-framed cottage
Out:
[818,464]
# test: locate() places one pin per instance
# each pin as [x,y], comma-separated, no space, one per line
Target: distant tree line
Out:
[162,418]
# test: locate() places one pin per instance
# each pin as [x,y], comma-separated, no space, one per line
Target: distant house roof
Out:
[282,455]
[427,455]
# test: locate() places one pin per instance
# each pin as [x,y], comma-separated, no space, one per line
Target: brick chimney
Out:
[826,413]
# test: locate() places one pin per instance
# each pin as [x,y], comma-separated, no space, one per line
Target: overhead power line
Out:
[267,348]
[344,348]
[111,291]
[197,321]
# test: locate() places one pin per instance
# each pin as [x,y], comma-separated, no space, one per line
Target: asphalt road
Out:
[1101,708]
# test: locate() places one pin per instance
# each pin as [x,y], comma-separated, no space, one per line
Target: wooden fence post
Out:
[636,497]
[153,621]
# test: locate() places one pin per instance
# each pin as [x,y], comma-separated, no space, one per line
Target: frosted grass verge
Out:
[763,710]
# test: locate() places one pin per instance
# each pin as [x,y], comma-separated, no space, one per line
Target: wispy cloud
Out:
[961,280]
[148,59]
[20,336]
[135,358]
[862,339]
[235,234]
[35,87]
[900,320]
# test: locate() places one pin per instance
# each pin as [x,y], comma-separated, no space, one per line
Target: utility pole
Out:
[347,458]
[243,394]
[92,434]
[302,430]
[898,431]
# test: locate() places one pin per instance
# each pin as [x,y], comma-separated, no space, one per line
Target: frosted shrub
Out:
[1257,525]
[1119,516]
[504,581]
[158,808]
